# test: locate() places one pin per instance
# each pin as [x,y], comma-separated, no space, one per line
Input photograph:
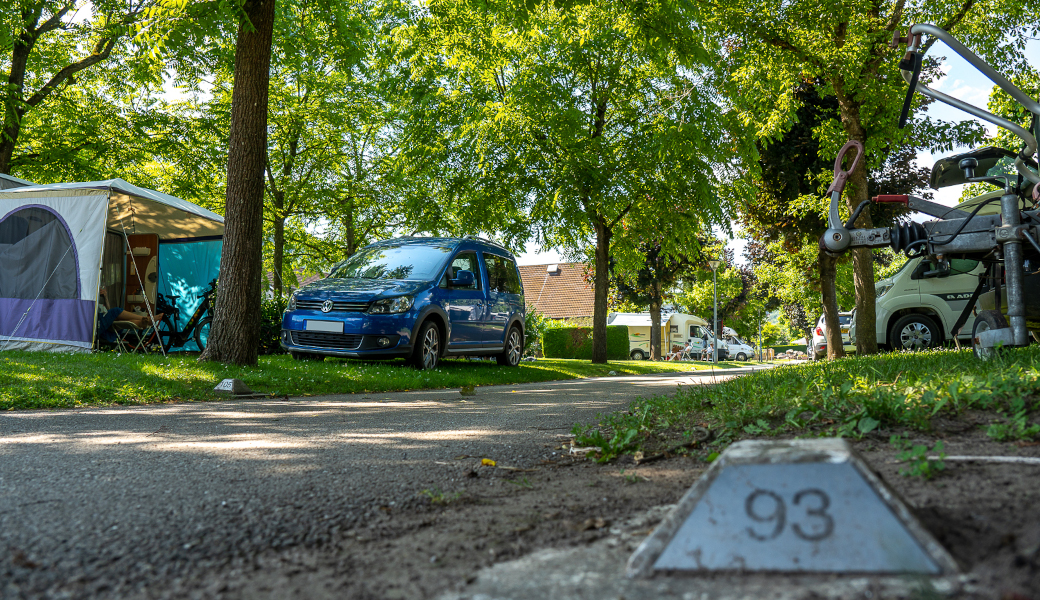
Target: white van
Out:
[738,348]
[917,309]
[677,329]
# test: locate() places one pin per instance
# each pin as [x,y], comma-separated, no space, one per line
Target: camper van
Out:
[676,330]
[919,305]
[738,348]
[917,309]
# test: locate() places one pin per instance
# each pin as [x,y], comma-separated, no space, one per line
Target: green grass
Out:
[42,380]
[847,397]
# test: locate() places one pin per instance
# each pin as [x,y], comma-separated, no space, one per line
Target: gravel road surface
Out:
[148,501]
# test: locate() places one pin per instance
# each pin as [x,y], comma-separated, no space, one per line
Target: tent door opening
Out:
[142,266]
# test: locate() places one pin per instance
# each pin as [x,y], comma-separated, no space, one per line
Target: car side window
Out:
[465,261]
[502,275]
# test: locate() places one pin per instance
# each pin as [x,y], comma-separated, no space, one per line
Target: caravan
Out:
[61,244]
[676,330]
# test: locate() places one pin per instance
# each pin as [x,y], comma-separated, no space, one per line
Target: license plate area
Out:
[327,326]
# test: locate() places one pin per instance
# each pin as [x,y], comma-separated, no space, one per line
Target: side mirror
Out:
[462,279]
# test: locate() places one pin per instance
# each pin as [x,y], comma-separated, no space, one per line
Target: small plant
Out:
[521,482]
[759,427]
[631,477]
[608,449]
[440,498]
[1016,428]
[916,457]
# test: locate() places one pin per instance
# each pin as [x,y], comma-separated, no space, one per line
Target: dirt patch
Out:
[985,514]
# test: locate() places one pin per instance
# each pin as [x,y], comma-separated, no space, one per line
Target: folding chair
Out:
[130,337]
[685,354]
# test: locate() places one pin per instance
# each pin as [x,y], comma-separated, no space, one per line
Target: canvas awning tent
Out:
[8,181]
[59,243]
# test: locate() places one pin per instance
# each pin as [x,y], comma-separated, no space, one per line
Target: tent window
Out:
[37,257]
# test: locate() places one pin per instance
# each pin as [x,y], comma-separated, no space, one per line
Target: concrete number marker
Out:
[790,506]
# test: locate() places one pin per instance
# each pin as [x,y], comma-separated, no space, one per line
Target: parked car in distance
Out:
[817,348]
[415,298]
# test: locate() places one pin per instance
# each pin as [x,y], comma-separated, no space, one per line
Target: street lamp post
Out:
[714,264]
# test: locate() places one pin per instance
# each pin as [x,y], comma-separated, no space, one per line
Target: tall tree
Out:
[775,44]
[45,44]
[650,279]
[581,119]
[235,334]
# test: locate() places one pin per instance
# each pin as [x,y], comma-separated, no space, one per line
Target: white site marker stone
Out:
[235,387]
[790,506]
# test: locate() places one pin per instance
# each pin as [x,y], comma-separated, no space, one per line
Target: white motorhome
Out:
[917,308]
[676,330]
[919,305]
[739,349]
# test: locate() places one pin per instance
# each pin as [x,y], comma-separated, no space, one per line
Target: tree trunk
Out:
[278,258]
[235,334]
[862,258]
[13,112]
[599,315]
[655,327]
[828,280]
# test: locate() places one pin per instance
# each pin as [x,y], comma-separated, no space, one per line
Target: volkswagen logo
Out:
[326,306]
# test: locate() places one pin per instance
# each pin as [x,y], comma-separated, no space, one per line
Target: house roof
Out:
[559,292]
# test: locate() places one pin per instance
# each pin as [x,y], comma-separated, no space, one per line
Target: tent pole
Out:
[147,304]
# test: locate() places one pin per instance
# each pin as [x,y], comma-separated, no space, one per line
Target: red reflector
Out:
[893,198]
[819,331]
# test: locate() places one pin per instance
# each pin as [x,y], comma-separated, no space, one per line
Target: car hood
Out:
[360,289]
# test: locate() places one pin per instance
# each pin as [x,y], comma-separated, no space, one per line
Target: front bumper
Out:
[361,335]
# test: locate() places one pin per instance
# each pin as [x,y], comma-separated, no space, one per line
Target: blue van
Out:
[415,298]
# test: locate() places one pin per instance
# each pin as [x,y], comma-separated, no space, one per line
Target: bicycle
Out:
[196,328]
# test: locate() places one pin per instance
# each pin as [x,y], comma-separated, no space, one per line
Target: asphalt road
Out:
[114,502]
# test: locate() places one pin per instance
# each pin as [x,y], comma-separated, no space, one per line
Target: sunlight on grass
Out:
[846,397]
[44,380]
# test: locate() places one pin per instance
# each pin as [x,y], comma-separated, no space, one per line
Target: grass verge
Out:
[849,397]
[33,380]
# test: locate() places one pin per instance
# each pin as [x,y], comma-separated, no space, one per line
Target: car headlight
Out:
[882,289]
[390,305]
[292,302]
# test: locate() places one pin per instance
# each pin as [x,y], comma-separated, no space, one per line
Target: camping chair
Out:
[686,353]
[130,337]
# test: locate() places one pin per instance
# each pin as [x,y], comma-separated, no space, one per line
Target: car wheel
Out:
[638,355]
[513,350]
[986,320]
[741,356]
[428,347]
[915,332]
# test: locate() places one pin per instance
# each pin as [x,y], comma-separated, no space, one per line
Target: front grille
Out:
[321,339]
[336,306]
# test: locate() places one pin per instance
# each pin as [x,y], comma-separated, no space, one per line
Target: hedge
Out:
[576,342]
[785,348]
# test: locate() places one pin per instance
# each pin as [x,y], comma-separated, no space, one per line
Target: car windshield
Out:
[404,261]
[844,319]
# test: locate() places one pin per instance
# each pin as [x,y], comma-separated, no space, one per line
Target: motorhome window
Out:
[960,266]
